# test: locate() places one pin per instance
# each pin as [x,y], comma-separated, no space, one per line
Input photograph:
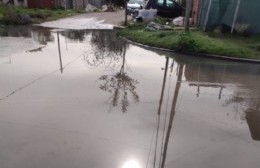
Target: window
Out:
[169,3]
[160,2]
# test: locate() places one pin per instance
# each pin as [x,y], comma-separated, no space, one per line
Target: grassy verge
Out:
[7,14]
[196,42]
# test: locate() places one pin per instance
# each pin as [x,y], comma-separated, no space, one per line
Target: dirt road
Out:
[97,20]
[114,18]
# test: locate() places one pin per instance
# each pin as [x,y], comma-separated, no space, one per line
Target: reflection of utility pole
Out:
[58,37]
[163,86]
[159,110]
[122,70]
[220,92]
[198,91]
[66,43]
[175,98]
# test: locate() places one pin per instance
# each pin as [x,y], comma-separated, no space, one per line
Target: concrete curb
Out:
[196,54]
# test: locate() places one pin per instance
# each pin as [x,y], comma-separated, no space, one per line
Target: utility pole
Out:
[125,12]
[187,14]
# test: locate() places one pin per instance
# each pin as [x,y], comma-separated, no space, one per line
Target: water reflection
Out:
[75,36]
[131,164]
[110,53]
[39,34]
[108,50]
[205,75]
[193,100]
[161,153]
[39,49]
[60,58]
[246,95]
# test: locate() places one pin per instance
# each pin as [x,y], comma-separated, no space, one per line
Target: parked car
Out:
[166,8]
[134,5]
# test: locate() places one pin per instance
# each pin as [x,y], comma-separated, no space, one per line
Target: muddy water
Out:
[89,99]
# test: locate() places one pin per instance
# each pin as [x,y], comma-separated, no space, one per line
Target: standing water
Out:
[89,99]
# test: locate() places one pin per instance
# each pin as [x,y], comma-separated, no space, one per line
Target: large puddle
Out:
[88,99]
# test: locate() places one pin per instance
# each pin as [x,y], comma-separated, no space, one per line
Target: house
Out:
[66,4]
[71,4]
[40,3]
[15,2]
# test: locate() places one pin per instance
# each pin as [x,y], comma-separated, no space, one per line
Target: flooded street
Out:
[89,99]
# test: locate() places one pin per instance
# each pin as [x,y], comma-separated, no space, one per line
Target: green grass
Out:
[167,39]
[38,15]
[196,42]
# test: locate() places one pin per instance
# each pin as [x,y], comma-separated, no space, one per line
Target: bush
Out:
[186,42]
[10,16]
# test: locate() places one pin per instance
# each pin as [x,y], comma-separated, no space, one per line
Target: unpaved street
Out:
[98,20]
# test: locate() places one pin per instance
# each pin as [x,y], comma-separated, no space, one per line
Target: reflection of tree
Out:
[42,35]
[120,85]
[247,96]
[39,34]
[74,35]
[108,49]
[15,31]
[110,53]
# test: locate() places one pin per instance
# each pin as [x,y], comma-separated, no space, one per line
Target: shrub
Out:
[186,42]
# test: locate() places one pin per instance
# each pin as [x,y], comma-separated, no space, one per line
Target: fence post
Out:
[235,16]
[207,15]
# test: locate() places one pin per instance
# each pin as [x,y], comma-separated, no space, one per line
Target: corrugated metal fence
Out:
[233,13]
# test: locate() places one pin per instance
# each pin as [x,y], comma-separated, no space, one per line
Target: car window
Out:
[136,2]
[169,3]
[132,1]
[160,2]
[140,2]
